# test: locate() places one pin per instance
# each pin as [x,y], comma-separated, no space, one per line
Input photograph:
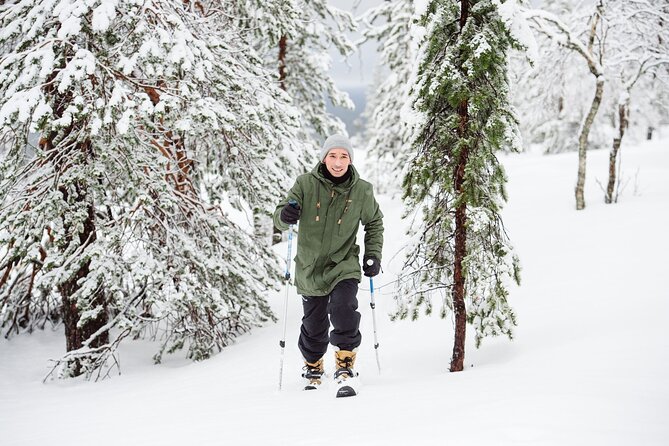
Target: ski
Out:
[346,382]
[346,391]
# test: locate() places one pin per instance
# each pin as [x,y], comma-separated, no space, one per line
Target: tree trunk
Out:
[283,46]
[583,142]
[459,309]
[613,156]
[75,333]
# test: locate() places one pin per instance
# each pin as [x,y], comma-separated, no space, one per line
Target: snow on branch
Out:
[554,28]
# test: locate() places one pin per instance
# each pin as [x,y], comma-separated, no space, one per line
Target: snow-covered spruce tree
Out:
[460,250]
[388,128]
[151,116]
[293,38]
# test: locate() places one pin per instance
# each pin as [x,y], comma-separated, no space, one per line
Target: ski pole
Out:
[282,342]
[373,305]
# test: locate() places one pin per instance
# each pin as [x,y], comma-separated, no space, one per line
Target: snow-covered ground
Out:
[588,366]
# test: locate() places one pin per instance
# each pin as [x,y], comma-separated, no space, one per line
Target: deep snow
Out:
[588,366]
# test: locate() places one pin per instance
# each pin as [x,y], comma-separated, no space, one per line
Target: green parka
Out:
[327,252]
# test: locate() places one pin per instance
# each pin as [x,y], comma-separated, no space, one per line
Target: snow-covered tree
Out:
[388,126]
[153,118]
[617,44]
[549,96]
[590,48]
[294,36]
[639,52]
[460,251]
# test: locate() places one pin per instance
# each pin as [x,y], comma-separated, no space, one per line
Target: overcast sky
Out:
[359,68]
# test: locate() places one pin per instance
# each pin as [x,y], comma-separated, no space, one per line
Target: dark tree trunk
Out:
[76,334]
[459,309]
[283,47]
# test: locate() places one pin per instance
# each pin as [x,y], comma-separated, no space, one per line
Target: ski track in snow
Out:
[588,365]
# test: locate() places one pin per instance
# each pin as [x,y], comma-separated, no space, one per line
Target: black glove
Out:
[371,266]
[290,213]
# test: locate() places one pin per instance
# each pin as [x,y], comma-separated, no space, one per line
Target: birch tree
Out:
[640,50]
[589,48]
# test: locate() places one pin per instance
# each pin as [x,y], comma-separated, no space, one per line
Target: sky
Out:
[356,70]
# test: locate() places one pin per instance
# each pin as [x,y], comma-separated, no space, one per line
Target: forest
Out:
[144,146]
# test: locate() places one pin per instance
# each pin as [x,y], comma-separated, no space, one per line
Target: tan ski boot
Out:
[345,376]
[313,374]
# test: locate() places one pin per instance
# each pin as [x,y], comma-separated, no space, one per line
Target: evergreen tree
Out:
[460,249]
[153,120]
[293,37]
[388,124]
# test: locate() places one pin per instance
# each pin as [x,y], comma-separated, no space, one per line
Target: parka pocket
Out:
[303,269]
[304,263]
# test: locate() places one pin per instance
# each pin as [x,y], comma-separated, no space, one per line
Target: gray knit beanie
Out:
[337,141]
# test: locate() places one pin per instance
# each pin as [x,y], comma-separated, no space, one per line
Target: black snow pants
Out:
[341,305]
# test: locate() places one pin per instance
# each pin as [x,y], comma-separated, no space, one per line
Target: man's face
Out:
[337,162]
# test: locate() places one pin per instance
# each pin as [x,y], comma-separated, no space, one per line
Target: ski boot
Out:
[313,373]
[345,377]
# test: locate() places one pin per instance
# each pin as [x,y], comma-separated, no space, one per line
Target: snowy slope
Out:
[589,364]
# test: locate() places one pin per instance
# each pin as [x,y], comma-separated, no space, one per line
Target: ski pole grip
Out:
[293,203]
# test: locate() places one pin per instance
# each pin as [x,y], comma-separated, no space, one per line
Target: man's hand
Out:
[371,266]
[290,213]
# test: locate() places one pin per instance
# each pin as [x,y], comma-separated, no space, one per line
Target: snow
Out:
[588,365]
[104,14]
[21,104]
[512,14]
[123,124]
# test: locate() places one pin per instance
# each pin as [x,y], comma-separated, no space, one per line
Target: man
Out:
[332,201]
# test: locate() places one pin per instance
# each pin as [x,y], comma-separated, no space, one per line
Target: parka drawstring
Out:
[318,203]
